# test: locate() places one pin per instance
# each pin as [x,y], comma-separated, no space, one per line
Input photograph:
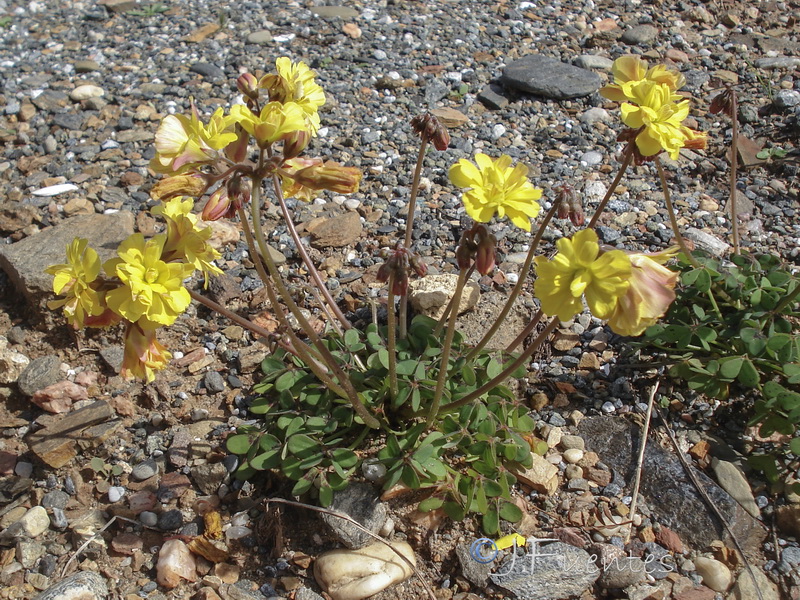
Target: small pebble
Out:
[115,494]
[150,519]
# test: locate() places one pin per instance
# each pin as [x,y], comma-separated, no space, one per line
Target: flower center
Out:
[151,275]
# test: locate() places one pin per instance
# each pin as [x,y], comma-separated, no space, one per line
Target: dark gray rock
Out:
[25,261]
[473,571]
[170,520]
[493,96]
[665,486]
[55,499]
[359,501]
[113,356]
[40,373]
[208,71]
[209,476]
[214,382]
[85,585]
[556,571]
[68,121]
[551,78]
[640,35]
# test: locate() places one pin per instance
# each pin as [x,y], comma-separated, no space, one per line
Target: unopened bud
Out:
[485,255]
[383,272]
[420,268]
[295,143]
[723,103]
[430,128]
[463,257]
[400,285]
[219,205]
[329,176]
[247,84]
[237,149]
[576,215]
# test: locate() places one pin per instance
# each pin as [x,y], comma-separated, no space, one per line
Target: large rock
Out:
[359,501]
[476,322]
[26,260]
[551,78]
[431,294]
[665,486]
[335,232]
[550,572]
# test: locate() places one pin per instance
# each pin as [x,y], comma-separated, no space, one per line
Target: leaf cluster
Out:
[314,438]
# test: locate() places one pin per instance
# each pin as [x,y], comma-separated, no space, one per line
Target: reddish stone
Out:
[670,540]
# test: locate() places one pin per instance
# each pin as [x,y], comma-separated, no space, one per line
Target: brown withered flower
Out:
[430,128]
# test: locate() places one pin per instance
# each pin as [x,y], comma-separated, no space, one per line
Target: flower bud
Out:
[247,84]
[383,272]
[576,215]
[723,103]
[218,205]
[237,150]
[463,257]
[329,176]
[420,268]
[430,128]
[485,255]
[400,285]
[295,143]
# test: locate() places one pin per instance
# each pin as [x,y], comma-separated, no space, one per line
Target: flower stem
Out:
[446,314]
[787,300]
[627,157]
[525,332]
[287,217]
[446,347]
[515,292]
[513,366]
[673,219]
[412,206]
[734,166]
[352,394]
[391,338]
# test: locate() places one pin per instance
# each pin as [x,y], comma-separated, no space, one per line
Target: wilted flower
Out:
[723,102]
[396,266]
[193,185]
[569,207]
[75,280]
[651,291]
[429,127]
[578,269]
[143,354]
[478,244]
[496,187]
[329,175]
[151,288]
[290,187]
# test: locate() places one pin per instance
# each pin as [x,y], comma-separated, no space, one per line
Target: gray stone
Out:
[113,356]
[50,100]
[665,486]
[733,481]
[706,241]
[556,571]
[26,260]
[144,470]
[55,499]
[787,98]
[594,115]
[359,501]
[473,571]
[260,37]
[551,78]
[40,373]
[209,476]
[778,62]
[592,61]
[207,70]
[28,552]
[70,121]
[435,90]
[640,35]
[331,12]
[619,570]
[84,585]
[170,520]
[32,524]
[493,96]
[59,519]
[214,382]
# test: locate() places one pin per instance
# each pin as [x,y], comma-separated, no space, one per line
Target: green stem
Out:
[412,204]
[626,161]
[352,394]
[734,165]
[391,338]
[515,292]
[514,365]
[446,347]
[673,219]
[787,300]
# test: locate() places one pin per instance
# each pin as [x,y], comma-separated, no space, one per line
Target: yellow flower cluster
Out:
[142,286]
[631,291]
[651,107]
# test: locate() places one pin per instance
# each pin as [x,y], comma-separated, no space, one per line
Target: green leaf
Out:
[510,512]
[383,357]
[266,460]
[491,522]
[794,446]
[237,444]
[454,510]
[468,375]
[302,445]
[98,465]
[272,365]
[406,367]
[730,367]
[430,504]
[302,486]
[749,375]
[351,338]
[325,496]
[493,369]
[285,381]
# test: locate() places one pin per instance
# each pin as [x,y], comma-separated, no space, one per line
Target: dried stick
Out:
[352,521]
[640,462]
[91,539]
[707,499]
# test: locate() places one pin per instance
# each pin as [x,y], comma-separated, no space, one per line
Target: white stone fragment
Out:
[55,190]
[175,562]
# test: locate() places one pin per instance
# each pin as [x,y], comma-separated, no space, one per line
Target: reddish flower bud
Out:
[723,102]
[420,268]
[400,286]
[463,257]
[430,128]
[237,150]
[247,84]
[217,206]
[485,255]
[295,143]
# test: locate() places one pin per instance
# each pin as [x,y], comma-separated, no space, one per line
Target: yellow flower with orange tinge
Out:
[579,270]
[74,280]
[143,354]
[496,187]
[651,291]
[630,71]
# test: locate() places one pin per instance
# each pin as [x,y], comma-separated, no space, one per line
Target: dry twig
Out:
[645,433]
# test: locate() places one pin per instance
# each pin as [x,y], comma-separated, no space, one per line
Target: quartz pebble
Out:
[175,563]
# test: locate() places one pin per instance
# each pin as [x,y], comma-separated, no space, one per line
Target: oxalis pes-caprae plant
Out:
[405,401]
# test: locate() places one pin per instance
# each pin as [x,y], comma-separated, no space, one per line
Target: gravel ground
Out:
[380,64]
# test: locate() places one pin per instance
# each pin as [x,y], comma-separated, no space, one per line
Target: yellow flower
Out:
[295,83]
[631,70]
[185,240]
[273,122]
[74,280]
[653,109]
[293,189]
[651,291]
[183,142]
[496,187]
[578,269]
[151,288]
[143,354]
